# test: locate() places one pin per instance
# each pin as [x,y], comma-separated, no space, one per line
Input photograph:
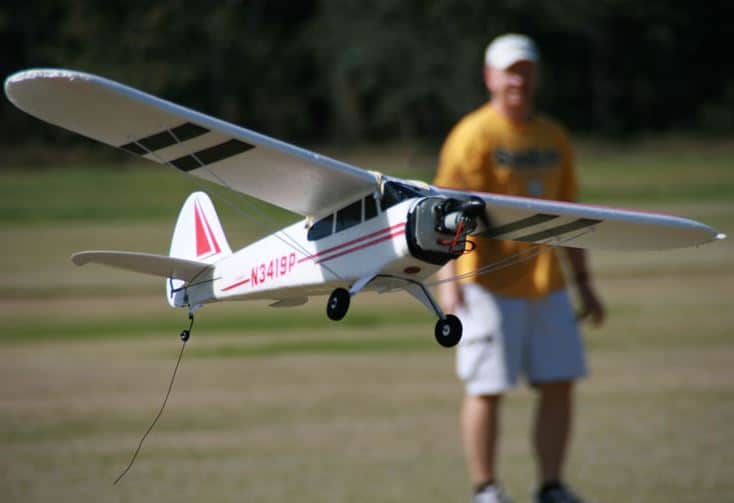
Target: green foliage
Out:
[346,70]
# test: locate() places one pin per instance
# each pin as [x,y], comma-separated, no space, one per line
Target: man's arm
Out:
[591,306]
[449,293]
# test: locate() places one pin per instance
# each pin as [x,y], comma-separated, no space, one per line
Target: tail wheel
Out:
[448,331]
[338,304]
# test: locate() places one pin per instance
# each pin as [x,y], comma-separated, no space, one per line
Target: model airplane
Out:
[362,230]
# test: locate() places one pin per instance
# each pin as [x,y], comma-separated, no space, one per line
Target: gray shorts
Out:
[505,336]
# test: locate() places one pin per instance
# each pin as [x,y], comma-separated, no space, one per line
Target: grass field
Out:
[277,405]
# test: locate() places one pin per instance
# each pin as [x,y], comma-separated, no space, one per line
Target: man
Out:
[517,319]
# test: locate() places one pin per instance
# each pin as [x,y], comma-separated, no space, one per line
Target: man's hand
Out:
[591,306]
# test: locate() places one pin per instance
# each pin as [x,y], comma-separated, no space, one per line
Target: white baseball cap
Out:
[506,50]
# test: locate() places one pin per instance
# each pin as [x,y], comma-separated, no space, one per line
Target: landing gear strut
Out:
[448,327]
[448,331]
[338,304]
[186,333]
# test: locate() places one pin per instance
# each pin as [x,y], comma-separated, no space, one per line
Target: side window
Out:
[370,207]
[349,216]
[321,228]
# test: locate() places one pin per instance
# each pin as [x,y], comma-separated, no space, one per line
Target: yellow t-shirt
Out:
[485,152]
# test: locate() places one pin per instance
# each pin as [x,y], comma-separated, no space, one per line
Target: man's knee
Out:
[555,389]
[487,399]
[481,406]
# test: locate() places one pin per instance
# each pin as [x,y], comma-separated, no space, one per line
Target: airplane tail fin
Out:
[198,236]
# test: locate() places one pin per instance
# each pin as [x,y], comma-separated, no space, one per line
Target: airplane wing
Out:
[282,174]
[302,181]
[145,263]
[584,226]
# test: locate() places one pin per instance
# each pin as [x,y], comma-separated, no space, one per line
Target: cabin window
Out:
[370,207]
[349,216]
[321,228]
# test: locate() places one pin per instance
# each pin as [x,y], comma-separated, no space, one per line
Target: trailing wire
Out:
[184,337]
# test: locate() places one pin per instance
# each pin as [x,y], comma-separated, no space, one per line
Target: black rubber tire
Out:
[448,331]
[338,304]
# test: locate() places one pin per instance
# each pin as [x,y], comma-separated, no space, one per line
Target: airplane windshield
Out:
[394,192]
[321,228]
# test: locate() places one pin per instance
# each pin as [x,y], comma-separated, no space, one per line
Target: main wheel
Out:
[448,331]
[338,304]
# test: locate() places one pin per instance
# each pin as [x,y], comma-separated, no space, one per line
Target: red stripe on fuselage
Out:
[235,285]
[349,243]
[399,232]
[344,248]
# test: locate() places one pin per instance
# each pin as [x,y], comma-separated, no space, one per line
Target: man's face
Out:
[515,86]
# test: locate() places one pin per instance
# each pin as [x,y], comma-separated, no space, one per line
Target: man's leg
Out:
[555,361]
[479,427]
[552,430]
[488,361]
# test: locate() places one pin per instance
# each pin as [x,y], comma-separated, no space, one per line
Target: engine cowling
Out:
[437,227]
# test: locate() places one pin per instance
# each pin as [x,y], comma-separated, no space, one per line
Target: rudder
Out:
[198,236]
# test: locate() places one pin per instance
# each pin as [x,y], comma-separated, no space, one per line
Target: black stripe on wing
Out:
[581,223]
[164,139]
[494,232]
[211,155]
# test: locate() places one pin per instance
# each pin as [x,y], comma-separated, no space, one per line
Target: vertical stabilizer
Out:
[198,236]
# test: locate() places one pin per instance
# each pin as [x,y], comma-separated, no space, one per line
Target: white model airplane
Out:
[362,230]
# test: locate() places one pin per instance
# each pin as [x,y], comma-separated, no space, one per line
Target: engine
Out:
[438,227]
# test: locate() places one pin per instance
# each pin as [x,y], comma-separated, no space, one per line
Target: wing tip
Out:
[13,85]
[47,73]
[79,258]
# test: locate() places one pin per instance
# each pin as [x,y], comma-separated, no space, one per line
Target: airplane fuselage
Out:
[288,267]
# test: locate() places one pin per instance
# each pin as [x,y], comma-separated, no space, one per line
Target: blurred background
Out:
[271,404]
[326,70]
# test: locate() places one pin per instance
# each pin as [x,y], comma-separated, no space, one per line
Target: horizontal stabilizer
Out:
[145,263]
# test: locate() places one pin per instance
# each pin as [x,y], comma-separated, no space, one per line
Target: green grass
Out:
[111,192]
[138,190]
[283,404]
[341,345]
[24,330]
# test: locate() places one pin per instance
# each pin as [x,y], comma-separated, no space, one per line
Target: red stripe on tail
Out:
[206,242]
[202,243]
